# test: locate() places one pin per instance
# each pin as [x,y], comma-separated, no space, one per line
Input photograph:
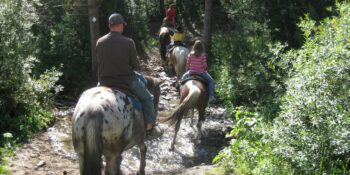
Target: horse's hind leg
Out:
[177,127]
[143,150]
[113,162]
[201,119]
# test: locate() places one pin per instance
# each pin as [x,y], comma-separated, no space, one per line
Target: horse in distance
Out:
[164,40]
[178,59]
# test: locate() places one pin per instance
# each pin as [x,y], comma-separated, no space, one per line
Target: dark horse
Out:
[164,40]
[106,123]
[194,94]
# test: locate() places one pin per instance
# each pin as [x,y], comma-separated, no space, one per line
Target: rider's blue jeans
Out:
[207,77]
[139,88]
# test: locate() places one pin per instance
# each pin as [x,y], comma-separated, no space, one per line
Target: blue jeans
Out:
[139,89]
[207,77]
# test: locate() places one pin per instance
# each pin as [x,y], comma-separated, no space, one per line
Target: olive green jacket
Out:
[116,60]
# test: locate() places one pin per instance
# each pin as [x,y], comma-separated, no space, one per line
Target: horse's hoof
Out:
[141,173]
[171,148]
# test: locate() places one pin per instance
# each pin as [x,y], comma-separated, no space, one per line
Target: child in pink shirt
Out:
[197,65]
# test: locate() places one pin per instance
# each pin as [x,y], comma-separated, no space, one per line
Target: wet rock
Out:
[40,164]
[167,97]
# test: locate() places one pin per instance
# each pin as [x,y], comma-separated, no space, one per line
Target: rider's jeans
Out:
[140,90]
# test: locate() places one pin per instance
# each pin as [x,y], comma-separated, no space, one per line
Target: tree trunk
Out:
[207,24]
[93,6]
[161,9]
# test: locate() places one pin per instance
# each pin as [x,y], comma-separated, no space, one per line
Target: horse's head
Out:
[153,85]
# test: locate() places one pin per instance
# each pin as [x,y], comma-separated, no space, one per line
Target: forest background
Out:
[282,71]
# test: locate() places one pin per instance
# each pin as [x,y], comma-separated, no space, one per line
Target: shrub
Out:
[312,131]
[25,99]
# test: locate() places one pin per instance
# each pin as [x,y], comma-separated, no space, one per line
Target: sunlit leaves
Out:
[25,98]
[315,113]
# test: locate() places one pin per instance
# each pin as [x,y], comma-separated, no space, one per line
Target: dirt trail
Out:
[39,157]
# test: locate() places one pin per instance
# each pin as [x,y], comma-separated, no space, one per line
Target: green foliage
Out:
[137,14]
[239,61]
[6,151]
[25,99]
[63,38]
[312,129]
[285,15]
[311,133]
[250,151]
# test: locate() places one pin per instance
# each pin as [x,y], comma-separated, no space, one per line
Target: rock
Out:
[40,164]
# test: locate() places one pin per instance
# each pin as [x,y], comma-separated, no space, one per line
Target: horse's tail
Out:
[93,144]
[188,103]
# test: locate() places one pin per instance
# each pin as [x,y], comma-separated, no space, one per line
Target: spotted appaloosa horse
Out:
[106,123]
[178,58]
[194,95]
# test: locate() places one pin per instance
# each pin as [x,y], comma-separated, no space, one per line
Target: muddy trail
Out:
[51,152]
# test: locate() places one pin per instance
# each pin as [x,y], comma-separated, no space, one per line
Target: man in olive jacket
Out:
[116,62]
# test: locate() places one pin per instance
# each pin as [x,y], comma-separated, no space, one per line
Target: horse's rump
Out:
[113,106]
[104,122]
[193,95]
[190,94]
[197,78]
[178,58]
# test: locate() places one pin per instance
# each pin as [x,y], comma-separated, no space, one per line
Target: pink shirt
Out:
[197,65]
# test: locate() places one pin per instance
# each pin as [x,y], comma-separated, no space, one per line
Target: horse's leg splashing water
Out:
[193,95]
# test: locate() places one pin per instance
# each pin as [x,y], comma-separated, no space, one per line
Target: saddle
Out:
[195,77]
[172,60]
[176,44]
[136,103]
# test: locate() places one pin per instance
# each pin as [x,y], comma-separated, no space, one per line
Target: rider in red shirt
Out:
[171,14]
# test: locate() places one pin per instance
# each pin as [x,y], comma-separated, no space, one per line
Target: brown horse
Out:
[194,95]
[106,123]
[164,40]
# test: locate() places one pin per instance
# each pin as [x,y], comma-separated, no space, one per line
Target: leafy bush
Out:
[25,99]
[311,133]
[250,151]
[240,65]
[63,42]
